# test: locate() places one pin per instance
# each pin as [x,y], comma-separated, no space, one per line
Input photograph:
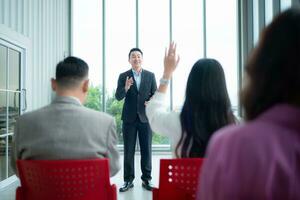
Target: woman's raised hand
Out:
[171,61]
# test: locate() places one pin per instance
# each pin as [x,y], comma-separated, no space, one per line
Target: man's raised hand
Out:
[128,83]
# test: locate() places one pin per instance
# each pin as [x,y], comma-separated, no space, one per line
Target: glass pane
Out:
[3,131]
[14,69]
[223,47]
[3,158]
[120,38]
[13,110]
[3,63]
[255,21]
[87,44]
[13,115]
[93,99]
[269,11]
[154,38]
[285,4]
[188,34]
[2,113]
[10,170]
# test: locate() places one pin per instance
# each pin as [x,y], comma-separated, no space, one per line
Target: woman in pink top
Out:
[261,158]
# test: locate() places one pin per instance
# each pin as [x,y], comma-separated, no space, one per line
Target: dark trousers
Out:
[130,132]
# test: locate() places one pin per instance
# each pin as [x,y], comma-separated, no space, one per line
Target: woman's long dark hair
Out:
[273,70]
[206,108]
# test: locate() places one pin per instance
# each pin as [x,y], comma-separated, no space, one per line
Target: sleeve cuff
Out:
[158,96]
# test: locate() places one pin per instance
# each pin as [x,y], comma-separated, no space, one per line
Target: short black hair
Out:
[71,71]
[134,49]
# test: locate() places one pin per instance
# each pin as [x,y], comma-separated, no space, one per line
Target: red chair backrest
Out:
[64,179]
[179,178]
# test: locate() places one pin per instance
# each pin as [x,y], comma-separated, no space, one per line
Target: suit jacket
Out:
[66,130]
[134,104]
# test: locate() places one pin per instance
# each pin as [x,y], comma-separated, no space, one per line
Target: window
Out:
[120,38]
[87,45]
[188,33]
[222,41]
[285,4]
[10,84]
[149,27]
[153,39]
[269,11]
[256,30]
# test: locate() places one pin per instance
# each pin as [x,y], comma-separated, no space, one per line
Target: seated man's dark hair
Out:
[71,71]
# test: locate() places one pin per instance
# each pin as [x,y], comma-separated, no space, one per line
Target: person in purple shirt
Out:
[260,159]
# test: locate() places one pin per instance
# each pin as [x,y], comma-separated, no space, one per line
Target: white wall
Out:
[42,27]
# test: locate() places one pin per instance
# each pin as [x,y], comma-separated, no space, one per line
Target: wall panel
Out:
[46,25]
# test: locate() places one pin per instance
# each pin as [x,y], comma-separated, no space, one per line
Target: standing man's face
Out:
[136,60]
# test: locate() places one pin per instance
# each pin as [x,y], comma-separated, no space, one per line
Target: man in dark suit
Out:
[137,86]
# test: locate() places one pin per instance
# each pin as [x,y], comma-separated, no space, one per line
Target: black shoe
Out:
[147,185]
[126,186]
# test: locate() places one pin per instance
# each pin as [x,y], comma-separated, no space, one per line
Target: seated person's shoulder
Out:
[97,114]
[249,137]
[227,132]
[34,113]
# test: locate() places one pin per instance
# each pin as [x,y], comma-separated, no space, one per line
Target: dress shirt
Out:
[137,78]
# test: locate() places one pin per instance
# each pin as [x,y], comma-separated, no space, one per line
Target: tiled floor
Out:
[136,193]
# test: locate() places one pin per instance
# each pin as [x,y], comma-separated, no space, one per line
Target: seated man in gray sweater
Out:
[66,129]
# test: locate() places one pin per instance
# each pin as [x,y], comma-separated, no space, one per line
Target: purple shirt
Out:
[257,160]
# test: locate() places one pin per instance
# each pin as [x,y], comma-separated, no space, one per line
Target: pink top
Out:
[257,160]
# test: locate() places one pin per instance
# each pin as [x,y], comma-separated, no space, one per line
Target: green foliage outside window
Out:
[158,139]
[93,98]
[114,108]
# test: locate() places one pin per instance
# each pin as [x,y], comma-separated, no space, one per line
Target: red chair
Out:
[65,180]
[178,179]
